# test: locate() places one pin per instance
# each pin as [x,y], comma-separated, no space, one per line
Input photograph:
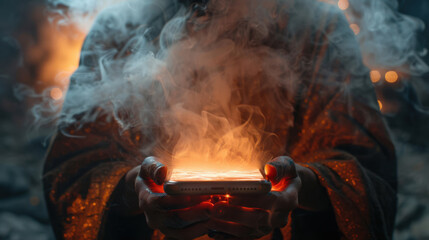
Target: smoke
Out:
[204,84]
[79,13]
[388,39]
[191,89]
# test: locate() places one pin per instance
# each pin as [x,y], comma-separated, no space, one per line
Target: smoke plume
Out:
[200,81]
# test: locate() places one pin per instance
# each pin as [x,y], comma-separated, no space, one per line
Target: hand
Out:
[250,217]
[177,217]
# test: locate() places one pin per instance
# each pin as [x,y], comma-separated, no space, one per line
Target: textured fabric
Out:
[337,131]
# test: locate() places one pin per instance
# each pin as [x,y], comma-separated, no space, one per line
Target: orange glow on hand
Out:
[214,199]
[158,188]
[280,186]
[391,77]
[153,186]
[270,172]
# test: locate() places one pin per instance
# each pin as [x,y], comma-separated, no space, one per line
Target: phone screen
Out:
[182,175]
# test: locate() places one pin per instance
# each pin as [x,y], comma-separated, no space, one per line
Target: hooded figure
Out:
[287,73]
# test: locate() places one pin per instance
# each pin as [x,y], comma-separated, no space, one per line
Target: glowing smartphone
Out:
[185,182]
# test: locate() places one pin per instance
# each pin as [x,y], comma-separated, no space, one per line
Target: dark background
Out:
[29,46]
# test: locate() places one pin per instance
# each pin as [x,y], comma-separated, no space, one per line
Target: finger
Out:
[152,170]
[148,199]
[168,202]
[220,235]
[288,199]
[250,217]
[279,219]
[190,232]
[145,191]
[182,218]
[265,202]
[232,228]
[280,168]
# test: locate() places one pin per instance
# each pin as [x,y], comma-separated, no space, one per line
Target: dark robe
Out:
[337,131]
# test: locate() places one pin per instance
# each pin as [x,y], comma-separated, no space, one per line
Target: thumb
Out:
[153,171]
[280,168]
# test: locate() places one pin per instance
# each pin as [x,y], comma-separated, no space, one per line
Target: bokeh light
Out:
[391,77]
[56,93]
[343,4]
[375,76]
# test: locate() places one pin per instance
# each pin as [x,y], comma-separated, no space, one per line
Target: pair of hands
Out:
[242,217]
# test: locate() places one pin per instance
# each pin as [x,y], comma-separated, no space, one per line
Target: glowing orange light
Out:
[380,104]
[343,4]
[203,175]
[227,196]
[281,185]
[375,76]
[391,77]
[62,46]
[56,55]
[56,93]
[355,28]
[270,171]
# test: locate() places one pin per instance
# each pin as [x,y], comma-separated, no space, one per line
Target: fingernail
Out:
[160,174]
